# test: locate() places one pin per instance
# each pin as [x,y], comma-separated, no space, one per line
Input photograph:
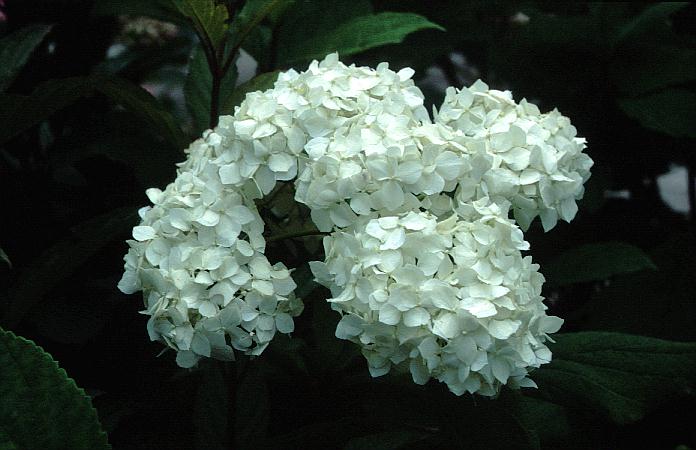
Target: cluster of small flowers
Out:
[536,159]
[453,300]
[423,262]
[198,254]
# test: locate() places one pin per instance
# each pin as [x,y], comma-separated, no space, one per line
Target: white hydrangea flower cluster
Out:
[423,262]
[537,160]
[198,254]
[452,300]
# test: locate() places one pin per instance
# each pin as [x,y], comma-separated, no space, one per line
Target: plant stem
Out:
[215,97]
[244,32]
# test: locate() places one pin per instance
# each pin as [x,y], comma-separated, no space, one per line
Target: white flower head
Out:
[453,300]
[537,162]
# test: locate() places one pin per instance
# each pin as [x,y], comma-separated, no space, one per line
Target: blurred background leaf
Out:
[61,260]
[15,50]
[672,111]
[593,262]
[100,107]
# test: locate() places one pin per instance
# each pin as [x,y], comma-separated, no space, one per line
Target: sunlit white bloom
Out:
[537,159]
[452,300]
[198,254]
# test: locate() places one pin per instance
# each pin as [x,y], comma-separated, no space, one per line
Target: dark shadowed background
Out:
[114,90]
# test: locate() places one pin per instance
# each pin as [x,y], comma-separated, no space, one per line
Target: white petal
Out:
[389,315]
[503,329]
[349,327]
[284,323]
[144,233]
[200,345]
[186,359]
[416,317]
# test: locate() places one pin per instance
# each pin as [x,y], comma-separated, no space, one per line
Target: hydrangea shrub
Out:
[422,258]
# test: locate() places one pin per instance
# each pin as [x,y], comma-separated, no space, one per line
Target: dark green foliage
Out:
[210,409]
[40,407]
[671,111]
[352,36]
[208,18]
[16,49]
[198,86]
[593,262]
[623,376]
[20,113]
[251,407]
[63,259]
[84,130]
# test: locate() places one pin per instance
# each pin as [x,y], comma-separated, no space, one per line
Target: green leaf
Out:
[258,45]
[20,113]
[258,83]
[620,375]
[5,258]
[198,89]
[40,407]
[672,111]
[15,50]
[143,105]
[352,36]
[594,262]
[646,68]
[63,259]
[665,297]
[209,19]
[548,420]
[251,15]
[649,55]
[6,442]
[652,16]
